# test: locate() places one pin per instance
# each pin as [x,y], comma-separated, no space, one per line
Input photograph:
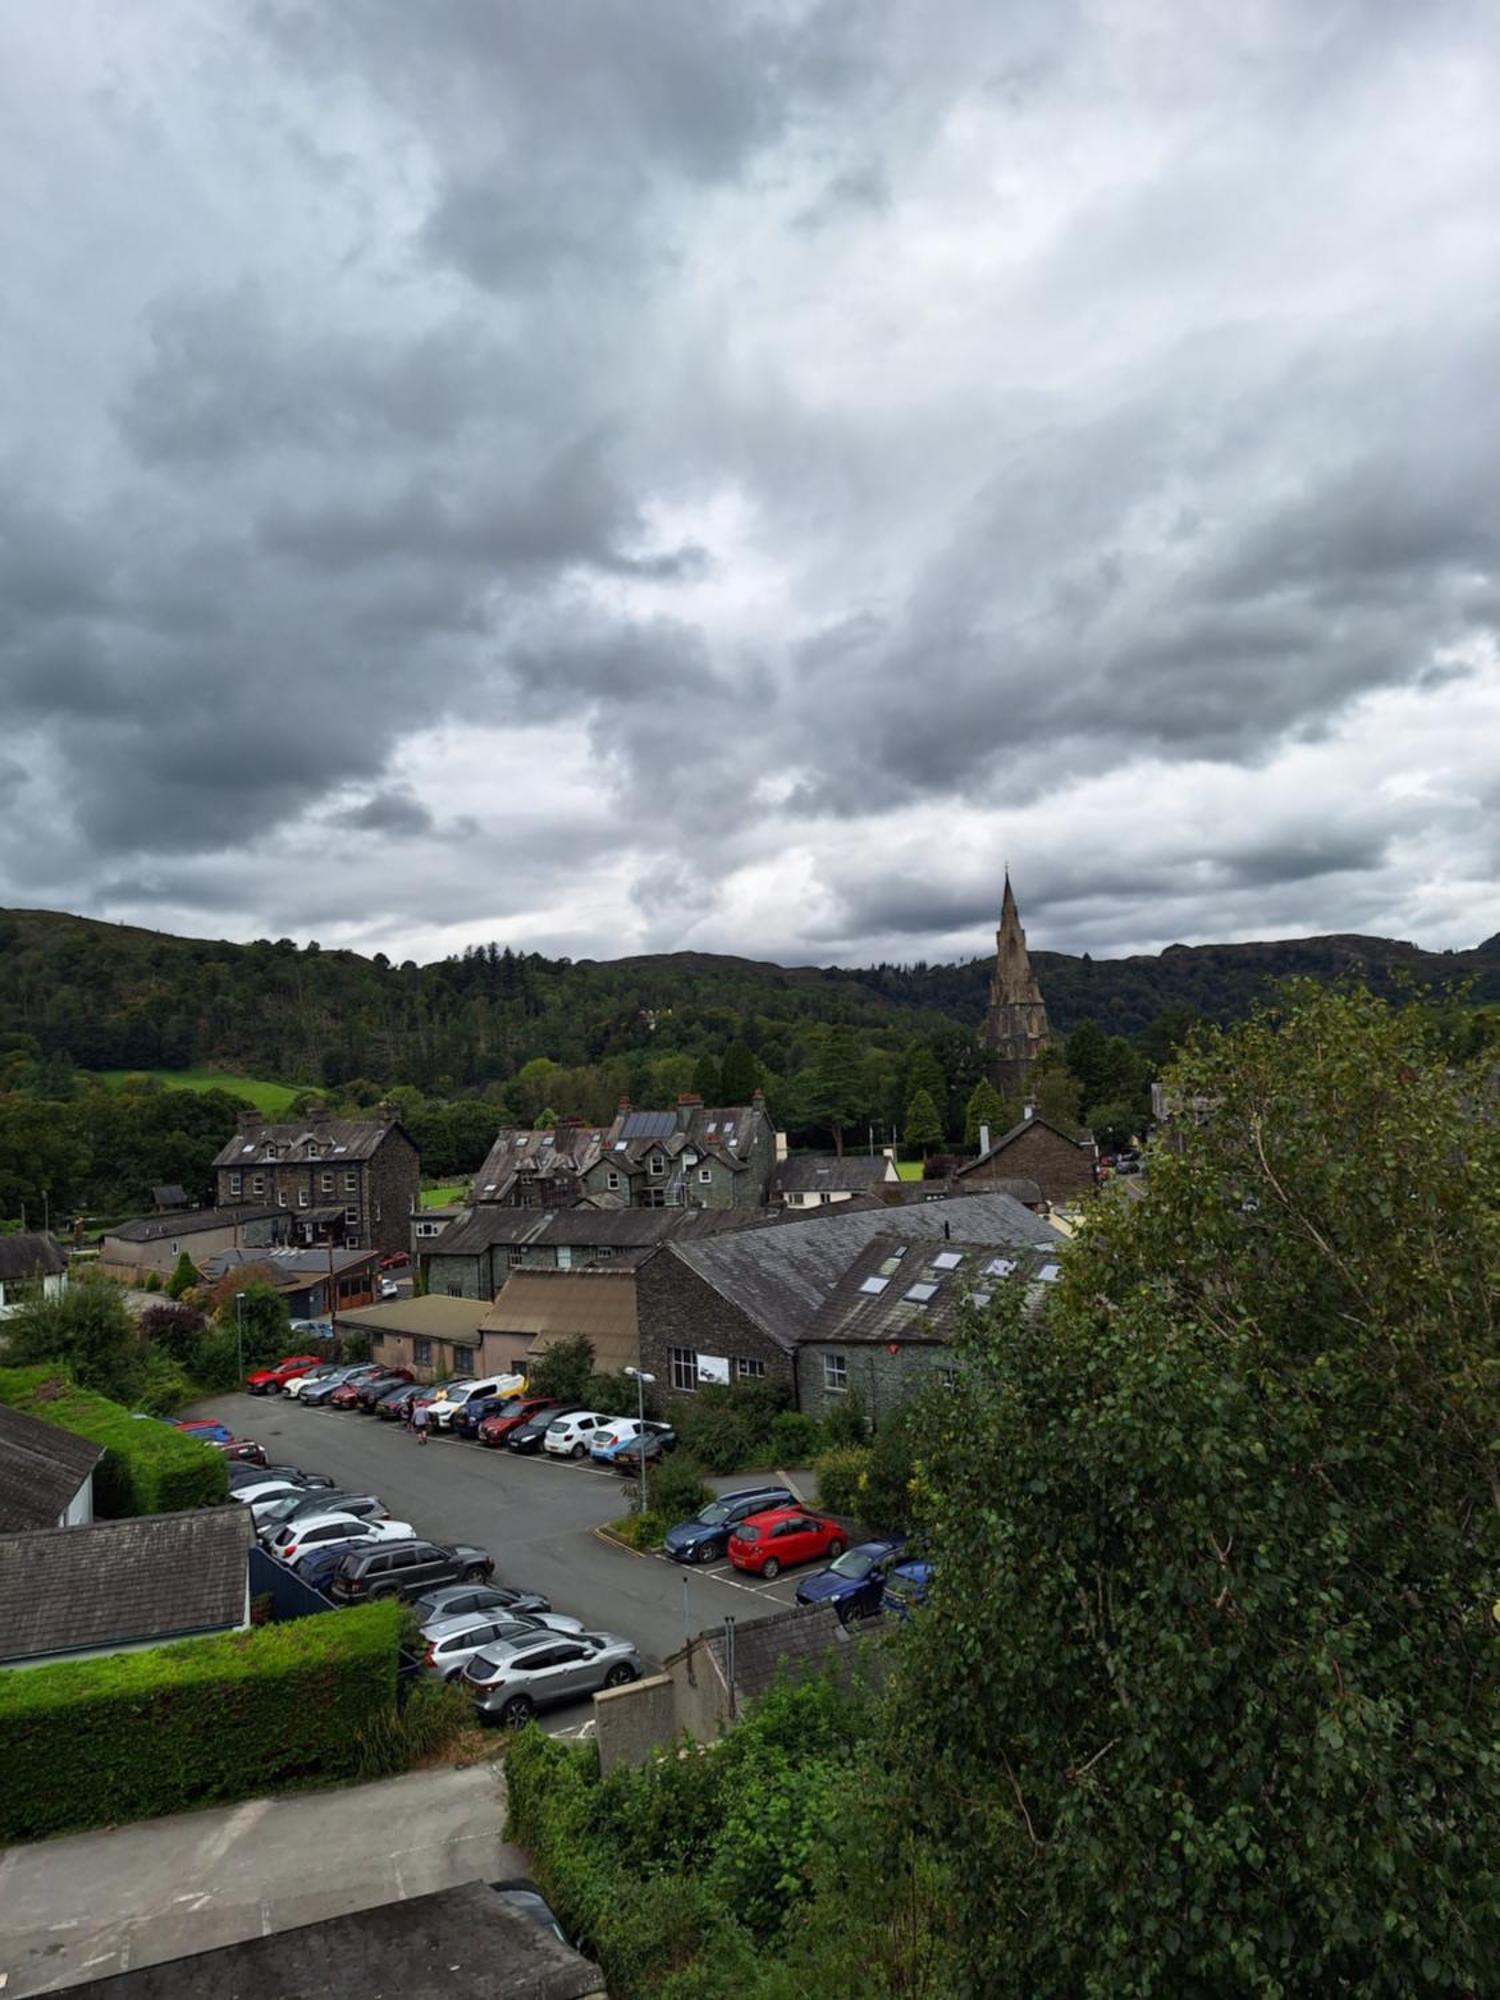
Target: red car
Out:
[396,1261]
[271,1381]
[519,1410]
[770,1543]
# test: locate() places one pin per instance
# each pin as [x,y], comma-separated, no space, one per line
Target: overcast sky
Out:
[634,476]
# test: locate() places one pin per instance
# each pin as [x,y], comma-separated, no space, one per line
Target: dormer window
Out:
[656,1164]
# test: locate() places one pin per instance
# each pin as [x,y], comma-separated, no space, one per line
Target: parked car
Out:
[369,1392]
[317,1395]
[478,1410]
[389,1289]
[295,1538]
[571,1435]
[270,1515]
[321,1373]
[653,1450]
[452,1644]
[442,1409]
[527,1900]
[256,1491]
[705,1538]
[454,1599]
[271,1381]
[527,1438]
[437,1392]
[239,1451]
[395,1260]
[855,1584]
[494,1429]
[513,1678]
[623,1432]
[766,1544]
[320,1565]
[906,1587]
[257,1475]
[410,1570]
[395,1403]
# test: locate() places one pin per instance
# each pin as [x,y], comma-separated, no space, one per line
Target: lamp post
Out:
[239,1333]
[641,1379]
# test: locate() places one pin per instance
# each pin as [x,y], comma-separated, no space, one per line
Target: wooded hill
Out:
[109,996]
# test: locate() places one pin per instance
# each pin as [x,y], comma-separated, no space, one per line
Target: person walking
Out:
[419,1422]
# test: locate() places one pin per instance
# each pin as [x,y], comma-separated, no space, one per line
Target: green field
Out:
[909,1170]
[443,1197]
[272,1098]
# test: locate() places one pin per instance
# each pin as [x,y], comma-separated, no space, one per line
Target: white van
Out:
[447,1406]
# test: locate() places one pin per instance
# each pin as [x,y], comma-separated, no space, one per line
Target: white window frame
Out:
[351,1218]
[612,1181]
[835,1374]
[749,1368]
[281,1197]
[351,1183]
[684,1367]
[304,1199]
[236,1183]
[257,1184]
[656,1166]
[325,1181]
[705,1176]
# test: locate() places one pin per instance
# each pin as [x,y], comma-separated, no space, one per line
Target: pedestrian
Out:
[419,1422]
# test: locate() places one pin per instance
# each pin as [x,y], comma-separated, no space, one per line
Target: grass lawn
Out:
[909,1170]
[272,1098]
[443,1197]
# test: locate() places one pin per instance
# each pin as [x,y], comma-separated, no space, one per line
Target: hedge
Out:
[147,1468]
[97,1742]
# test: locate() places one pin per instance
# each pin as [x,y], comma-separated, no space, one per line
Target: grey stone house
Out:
[154,1242]
[474,1257]
[352,1181]
[694,1156]
[734,1307]
[1064,1165]
[819,1180]
[537,1169]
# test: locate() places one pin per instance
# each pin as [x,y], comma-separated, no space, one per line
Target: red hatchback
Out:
[770,1543]
[271,1381]
[520,1410]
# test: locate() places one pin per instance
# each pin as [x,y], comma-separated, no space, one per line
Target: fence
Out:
[291,1596]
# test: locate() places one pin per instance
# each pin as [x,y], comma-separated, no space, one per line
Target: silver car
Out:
[513,1678]
[453,1642]
[269,1515]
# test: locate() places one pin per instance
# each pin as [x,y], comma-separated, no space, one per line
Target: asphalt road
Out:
[536,1516]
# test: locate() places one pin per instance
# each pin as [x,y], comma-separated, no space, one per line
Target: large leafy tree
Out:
[1223,1716]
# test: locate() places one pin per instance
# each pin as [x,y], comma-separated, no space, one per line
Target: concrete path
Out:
[96,1903]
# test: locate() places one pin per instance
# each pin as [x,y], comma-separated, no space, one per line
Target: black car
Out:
[457,1600]
[651,1446]
[257,1475]
[406,1569]
[528,1437]
[369,1393]
[393,1404]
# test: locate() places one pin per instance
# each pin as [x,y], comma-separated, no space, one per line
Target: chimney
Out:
[385,1111]
[688,1097]
[757,1096]
[1028,1110]
[780,1147]
[984,1140]
[947,1231]
[623,1105]
[247,1119]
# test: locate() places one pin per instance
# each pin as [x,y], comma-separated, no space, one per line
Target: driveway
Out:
[536,1516]
[98,1903]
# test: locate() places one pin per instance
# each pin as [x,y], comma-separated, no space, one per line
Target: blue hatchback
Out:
[857,1584]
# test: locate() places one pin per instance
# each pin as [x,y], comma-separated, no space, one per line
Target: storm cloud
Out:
[735,477]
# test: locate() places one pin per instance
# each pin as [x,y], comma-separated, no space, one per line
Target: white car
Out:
[295,1538]
[264,1489]
[448,1405]
[389,1289]
[300,1382]
[570,1436]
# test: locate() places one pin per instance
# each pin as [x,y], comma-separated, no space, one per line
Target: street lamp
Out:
[641,1379]
[239,1333]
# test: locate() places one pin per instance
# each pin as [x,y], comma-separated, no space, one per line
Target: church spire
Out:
[1015,1027]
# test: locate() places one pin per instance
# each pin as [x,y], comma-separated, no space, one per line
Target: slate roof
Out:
[487,1227]
[1083,1140]
[780,1275]
[197,1222]
[723,1132]
[483,1228]
[434,1317]
[117,1583]
[31,1253]
[900,1194]
[41,1468]
[788,1643]
[334,1138]
[288,1265]
[908,1288]
[566,1151]
[170,1195]
[826,1173]
[465,1944]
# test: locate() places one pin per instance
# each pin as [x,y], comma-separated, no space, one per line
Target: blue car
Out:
[857,1584]
[320,1565]
[705,1538]
[465,1422]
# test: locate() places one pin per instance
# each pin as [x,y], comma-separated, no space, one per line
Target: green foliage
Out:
[739,1075]
[644,1531]
[922,1125]
[100,1742]
[394,1739]
[1223,1715]
[184,1277]
[841,1479]
[794,1438]
[564,1371]
[147,1468]
[620,1396]
[88,1331]
[985,1109]
[163,1387]
[1114,1125]
[846,1422]
[151,1281]
[175,1331]
[729,1426]
[836,1094]
[676,1488]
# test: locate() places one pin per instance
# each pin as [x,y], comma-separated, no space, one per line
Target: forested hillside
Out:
[111,997]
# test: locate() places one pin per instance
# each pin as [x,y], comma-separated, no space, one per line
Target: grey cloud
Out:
[395,811]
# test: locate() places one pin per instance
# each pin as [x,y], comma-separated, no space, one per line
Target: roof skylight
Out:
[1000,1267]
[920,1293]
[947,1260]
[874,1285]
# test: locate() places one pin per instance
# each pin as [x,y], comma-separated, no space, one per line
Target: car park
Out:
[319,1566]
[515,1411]
[317,1395]
[766,1544]
[410,1570]
[452,1600]
[854,1583]
[396,1402]
[366,1394]
[513,1678]
[650,1450]
[239,1451]
[271,1381]
[442,1409]
[257,1490]
[625,1432]
[453,1643]
[571,1435]
[705,1538]
[322,1373]
[438,1392]
[295,1538]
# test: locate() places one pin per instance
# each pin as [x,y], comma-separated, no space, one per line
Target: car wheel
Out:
[454,1676]
[517,1711]
[619,1674]
[769,1568]
[835,1548]
[577,1451]
[475,1573]
[708,1552]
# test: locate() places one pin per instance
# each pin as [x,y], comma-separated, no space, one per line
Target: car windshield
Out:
[855,1563]
[715,1512]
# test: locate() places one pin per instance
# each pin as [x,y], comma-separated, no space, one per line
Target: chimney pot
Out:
[984,1140]
[623,1105]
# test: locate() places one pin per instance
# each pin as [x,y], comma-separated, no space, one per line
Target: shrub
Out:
[151,1282]
[846,1422]
[618,1396]
[723,1437]
[98,1742]
[164,1386]
[794,1438]
[394,1739]
[676,1487]
[841,1477]
[644,1531]
[564,1370]
[184,1276]
[147,1468]
[175,1331]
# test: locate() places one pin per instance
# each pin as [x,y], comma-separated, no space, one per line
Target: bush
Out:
[151,1282]
[564,1370]
[841,1478]
[175,1331]
[147,1468]
[644,1531]
[184,1277]
[676,1487]
[794,1438]
[846,1422]
[164,1386]
[98,1742]
[618,1396]
[394,1739]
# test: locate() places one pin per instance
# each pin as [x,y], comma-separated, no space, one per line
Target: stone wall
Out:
[881,1380]
[1061,1168]
[676,1308]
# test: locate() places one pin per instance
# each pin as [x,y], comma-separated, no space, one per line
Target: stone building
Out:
[352,1181]
[473,1258]
[1015,1026]
[1064,1165]
[537,1169]
[694,1156]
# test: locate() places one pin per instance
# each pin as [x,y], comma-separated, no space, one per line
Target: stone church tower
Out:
[1015,1027]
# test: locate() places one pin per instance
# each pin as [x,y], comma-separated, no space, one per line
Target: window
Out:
[919,1294]
[705,1175]
[236,1183]
[612,1180]
[325,1183]
[351,1218]
[421,1353]
[304,1199]
[874,1285]
[835,1374]
[748,1368]
[281,1197]
[463,1361]
[455,1291]
[257,1184]
[947,1260]
[684,1368]
[514,1257]
[947,1375]
[656,1164]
